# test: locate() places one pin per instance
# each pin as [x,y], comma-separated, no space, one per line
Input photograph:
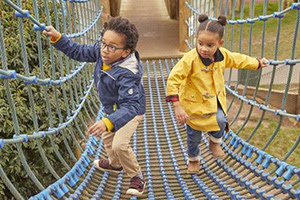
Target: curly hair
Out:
[212,25]
[123,26]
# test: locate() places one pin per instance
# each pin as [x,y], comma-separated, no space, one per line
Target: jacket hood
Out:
[130,62]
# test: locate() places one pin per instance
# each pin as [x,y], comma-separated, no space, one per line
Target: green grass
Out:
[285,40]
[282,143]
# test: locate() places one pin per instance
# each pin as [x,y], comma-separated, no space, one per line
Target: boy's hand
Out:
[180,114]
[52,32]
[97,129]
[264,62]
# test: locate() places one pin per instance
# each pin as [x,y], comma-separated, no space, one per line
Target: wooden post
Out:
[173,8]
[115,6]
[183,29]
[167,3]
[106,10]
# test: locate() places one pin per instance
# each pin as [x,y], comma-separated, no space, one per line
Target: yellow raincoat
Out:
[199,86]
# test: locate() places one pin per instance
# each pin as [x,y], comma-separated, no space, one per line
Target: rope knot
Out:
[296,6]
[23,136]
[278,15]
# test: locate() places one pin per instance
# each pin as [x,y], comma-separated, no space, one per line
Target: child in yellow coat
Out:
[196,88]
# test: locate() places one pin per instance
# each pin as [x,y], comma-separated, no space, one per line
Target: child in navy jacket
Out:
[118,78]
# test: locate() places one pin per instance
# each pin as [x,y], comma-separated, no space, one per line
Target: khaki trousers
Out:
[118,150]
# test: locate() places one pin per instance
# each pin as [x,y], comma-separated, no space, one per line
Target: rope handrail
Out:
[72,177]
[12,74]
[294,6]
[80,101]
[262,106]
[41,26]
[86,29]
[263,159]
[25,13]
[42,134]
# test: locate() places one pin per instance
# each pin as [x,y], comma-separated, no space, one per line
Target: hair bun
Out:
[202,18]
[222,20]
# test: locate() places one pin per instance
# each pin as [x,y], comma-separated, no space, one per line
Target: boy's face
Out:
[112,47]
[208,43]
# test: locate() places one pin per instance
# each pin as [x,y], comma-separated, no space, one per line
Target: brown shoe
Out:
[193,167]
[104,165]
[137,186]
[216,149]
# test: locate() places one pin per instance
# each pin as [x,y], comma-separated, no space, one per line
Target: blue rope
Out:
[166,184]
[294,6]
[56,130]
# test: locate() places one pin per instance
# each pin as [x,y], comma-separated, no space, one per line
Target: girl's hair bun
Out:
[222,20]
[202,18]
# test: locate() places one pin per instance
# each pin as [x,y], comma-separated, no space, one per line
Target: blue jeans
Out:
[194,136]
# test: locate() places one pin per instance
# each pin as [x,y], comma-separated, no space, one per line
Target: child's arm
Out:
[177,75]
[242,61]
[129,107]
[180,114]
[79,52]
[263,62]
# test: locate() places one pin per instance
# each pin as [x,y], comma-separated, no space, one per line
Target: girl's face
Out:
[113,47]
[208,43]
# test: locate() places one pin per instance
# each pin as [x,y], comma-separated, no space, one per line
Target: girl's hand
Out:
[264,62]
[180,114]
[97,129]
[52,32]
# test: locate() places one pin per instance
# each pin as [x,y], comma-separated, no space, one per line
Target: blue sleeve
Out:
[79,52]
[128,101]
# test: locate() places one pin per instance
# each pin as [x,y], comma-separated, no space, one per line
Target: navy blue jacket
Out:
[119,85]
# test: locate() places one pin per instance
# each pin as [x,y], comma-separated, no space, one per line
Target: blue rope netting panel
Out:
[48,101]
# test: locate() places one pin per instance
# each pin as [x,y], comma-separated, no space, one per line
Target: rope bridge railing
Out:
[235,29]
[63,86]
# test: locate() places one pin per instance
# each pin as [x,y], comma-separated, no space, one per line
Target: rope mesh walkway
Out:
[61,102]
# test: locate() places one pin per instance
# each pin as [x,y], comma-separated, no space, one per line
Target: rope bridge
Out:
[48,101]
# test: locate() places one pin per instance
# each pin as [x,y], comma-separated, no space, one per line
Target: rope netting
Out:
[48,101]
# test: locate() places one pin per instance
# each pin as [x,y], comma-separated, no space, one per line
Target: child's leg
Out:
[107,138]
[215,137]
[193,141]
[122,149]
[127,158]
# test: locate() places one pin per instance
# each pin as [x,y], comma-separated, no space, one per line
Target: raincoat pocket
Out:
[198,105]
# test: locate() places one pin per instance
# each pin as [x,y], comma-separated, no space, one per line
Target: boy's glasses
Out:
[110,48]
